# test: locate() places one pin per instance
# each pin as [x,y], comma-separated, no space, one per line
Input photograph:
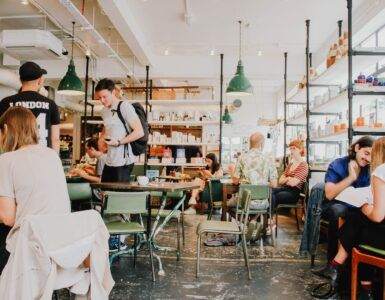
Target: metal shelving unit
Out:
[351,92]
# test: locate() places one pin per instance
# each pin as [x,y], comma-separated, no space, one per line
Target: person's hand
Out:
[366,209]
[79,172]
[354,170]
[113,143]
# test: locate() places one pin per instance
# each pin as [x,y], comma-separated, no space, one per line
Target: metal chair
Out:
[259,193]
[375,258]
[123,203]
[80,194]
[215,196]
[301,204]
[237,228]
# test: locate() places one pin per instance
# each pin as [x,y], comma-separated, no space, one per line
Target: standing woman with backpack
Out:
[126,132]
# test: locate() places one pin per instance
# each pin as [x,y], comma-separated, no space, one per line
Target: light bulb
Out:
[166,52]
[24,2]
[212,52]
[259,53]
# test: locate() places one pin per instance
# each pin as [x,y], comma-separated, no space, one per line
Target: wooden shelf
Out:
[183,123]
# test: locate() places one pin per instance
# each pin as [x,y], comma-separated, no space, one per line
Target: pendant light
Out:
[226,117]
[71,85]
[239,85]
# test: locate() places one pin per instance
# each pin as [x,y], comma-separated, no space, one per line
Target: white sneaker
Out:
[190,211]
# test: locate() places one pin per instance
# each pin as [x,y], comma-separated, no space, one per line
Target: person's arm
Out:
[300,175]
[7,211]
[273,173]
[237,172]
[86,176]
[376,212]
[283,179]
[334,189]
[55,137]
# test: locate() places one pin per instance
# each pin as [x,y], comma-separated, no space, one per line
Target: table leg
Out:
[224,203]
[149,215]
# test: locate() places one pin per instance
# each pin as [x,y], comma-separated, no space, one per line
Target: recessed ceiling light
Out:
[212,52]
[24,2]
[259,53]
[166,52]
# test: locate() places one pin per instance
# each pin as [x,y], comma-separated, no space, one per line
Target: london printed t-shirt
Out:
[45,110]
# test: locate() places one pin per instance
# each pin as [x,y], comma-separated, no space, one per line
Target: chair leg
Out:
[353,293]
[135,249]
[296,218]
[198,254]
[276,223]
[152,260]
[178,239]
[183,233]
[312,259]
[244,246]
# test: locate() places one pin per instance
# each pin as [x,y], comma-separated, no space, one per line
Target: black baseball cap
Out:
[30,71]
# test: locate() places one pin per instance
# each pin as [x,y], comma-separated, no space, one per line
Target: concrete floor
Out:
[278,273]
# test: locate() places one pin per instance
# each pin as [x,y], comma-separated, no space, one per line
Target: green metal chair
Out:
[301,204]
[216,196]
[123,203]
[262,194]
[80,195]
[237,228]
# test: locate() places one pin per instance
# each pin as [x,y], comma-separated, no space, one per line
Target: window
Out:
[381,37]
[370,41]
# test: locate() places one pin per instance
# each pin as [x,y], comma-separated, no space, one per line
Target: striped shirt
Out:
[300,172]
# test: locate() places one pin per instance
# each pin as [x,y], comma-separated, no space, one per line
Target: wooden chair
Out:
[376,258]
[238,228]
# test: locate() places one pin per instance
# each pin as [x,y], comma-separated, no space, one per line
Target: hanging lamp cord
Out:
[73,38]
[240,39]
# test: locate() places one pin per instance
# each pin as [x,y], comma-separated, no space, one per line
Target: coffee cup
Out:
[143,180]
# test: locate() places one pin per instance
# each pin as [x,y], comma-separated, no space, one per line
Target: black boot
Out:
[326,271]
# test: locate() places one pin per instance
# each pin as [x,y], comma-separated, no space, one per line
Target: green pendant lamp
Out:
[239,85]
[71,85]
[226,117]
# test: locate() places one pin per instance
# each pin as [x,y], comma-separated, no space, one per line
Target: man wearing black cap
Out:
[45,110]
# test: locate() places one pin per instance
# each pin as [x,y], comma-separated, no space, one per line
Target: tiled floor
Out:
[278,273]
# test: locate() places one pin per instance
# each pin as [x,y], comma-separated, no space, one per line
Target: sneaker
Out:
[321,271]
[190,211]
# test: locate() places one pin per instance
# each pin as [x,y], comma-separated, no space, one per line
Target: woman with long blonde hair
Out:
[364,226]
[32,180]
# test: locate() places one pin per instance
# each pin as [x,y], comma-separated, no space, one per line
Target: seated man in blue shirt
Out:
[352,170]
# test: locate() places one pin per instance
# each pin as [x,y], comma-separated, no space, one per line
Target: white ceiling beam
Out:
[119,13]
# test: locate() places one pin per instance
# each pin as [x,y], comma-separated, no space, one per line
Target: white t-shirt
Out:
[379,172]
[34,177]
[116,156]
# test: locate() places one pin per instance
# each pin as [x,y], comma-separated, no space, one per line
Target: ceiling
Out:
[192,30]
[194,33]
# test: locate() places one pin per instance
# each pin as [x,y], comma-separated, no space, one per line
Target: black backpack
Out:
[139,146]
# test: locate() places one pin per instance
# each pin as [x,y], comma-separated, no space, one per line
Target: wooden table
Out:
[228,188]
[164,188]
[174,178]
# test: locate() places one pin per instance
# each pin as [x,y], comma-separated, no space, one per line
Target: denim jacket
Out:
[311,230]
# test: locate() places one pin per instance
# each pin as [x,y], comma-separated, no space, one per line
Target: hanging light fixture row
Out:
[239,85]
[71,85]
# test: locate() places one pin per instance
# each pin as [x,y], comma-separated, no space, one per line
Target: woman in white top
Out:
[365,226]
[32,180]
[212,171]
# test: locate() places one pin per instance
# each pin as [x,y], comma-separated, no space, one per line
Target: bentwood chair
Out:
[127,203]
[238,228]
[300,205]
[371,256]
